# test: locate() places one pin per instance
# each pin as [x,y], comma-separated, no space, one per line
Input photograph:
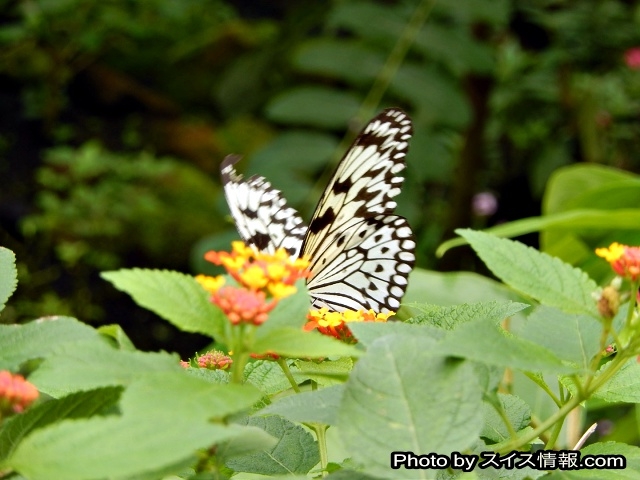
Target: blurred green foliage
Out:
[97,96]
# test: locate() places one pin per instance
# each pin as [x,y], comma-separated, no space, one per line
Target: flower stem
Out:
[287,373]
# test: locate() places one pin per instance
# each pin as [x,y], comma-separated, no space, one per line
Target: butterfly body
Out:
[361,253]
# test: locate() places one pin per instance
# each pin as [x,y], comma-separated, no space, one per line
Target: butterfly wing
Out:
[261,214]
[361,254]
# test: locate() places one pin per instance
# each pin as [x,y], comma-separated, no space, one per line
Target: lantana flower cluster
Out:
[624,260]
[262,279]
[16,394]
[335,324]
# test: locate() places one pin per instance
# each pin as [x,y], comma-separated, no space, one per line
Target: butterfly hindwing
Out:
[367,269]
[262,217]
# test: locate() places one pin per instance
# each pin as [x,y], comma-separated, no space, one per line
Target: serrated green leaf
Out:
[76,405]
[268,376]
[295,452]
[576,338]
[542,277]
[449,317]
[295,343]
[43,337]
[402,397]
[8,275]
[516,410]
[174,296]
[483,341]
[318,406]
[143,439]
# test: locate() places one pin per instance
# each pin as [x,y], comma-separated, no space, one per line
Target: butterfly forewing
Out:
[365,180]
[261,214]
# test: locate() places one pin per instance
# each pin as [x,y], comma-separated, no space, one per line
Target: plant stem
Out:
[287,373]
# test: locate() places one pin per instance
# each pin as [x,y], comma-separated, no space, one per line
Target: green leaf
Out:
[545,278]
[176,297]
[516,410]
[295,452]
[449,317]
[482,340]
[402,397]
[8,275]
[369,332]
[43,337]
[313,106]
[622,219]
[455,288]
[320,406]
[295,343]
[327,372]
[76,405]
[345,59]
[86,367]
[143,439]
[575,338]
[289,312]
[268,376]
[624,386]
[630,453]
[118,335]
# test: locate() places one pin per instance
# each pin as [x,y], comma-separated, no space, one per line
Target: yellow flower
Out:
[335,323]
[611,254]
[281,290]
[210,284]
[253,277]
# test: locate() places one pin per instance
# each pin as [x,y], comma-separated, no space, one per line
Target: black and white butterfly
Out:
[361,253]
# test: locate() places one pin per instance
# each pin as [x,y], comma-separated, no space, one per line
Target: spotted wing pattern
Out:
[261,214]
[361,254]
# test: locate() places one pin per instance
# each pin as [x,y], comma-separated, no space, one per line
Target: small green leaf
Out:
[290,311]
[402,397]
[449,317]
[176,297]
[516,410]
[327,372]
[318,406]
[545,278]
[295,343]
[295,452]
[8,275]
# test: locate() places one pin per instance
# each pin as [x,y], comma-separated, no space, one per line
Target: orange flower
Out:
[16,393]
[624,260]
[243,306]
[334,324]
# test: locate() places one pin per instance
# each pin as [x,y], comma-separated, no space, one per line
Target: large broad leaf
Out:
[165,418]
[624,386]
[320,406]
[8,275]
[174,296]
[545,278]
[401,397]
[295,343]
[449,317]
